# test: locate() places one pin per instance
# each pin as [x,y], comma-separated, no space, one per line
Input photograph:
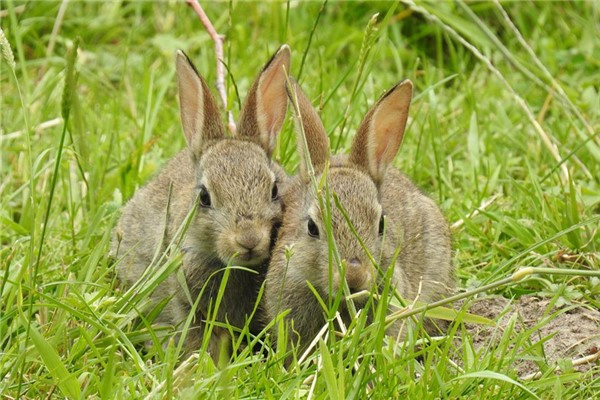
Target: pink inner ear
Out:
[272,100]
[387,131]
[275,99]
[191,102]
[192,111]
[382,145]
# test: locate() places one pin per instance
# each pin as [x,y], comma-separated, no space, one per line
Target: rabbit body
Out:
[225,191]
[367,188]
[141,232]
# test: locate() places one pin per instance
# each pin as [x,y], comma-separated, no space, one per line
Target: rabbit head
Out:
[356,181]
[237,185]
[398,226]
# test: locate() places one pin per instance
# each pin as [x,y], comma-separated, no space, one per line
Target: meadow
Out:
[503,134]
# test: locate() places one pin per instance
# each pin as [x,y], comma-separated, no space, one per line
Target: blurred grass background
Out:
[490,79]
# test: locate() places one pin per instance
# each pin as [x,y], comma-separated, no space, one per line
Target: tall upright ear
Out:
[315,150]
[199,111]
[264,110]
[380,133]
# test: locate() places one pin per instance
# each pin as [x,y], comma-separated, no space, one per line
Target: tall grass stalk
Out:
[69,88]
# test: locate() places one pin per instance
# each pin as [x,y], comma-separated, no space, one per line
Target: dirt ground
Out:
[577,330]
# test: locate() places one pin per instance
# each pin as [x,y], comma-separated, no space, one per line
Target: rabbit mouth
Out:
[360,298]
[250,258]
[359,301]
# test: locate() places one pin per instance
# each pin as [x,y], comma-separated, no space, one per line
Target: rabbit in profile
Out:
[394,219]
[229,192]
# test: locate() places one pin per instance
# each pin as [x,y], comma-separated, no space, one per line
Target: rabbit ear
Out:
[199,111]
[381,131]
[308,125]
[264,110]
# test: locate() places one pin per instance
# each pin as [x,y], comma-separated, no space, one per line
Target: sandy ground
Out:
[576,330]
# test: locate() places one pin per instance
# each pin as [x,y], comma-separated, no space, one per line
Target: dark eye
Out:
[381,224]
[204,197]
[274,193]
[313,230]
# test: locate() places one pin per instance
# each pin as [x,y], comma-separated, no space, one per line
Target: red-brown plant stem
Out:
[218,40]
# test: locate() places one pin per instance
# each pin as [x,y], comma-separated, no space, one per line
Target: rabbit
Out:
[231,187]
[377,198]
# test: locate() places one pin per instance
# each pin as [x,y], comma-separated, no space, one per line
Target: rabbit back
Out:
[423,266]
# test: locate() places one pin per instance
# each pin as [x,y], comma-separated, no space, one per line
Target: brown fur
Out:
[316,149]
[239,175]
[365,185]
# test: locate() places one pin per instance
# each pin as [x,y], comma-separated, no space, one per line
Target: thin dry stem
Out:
[552,148]
[44,125]
[576,362]
[313,379]
[180,375]
[344,330]
[314,342]
[555,84]
[409,307]
[56,28]
[218,40]
[18,10]
[485,204]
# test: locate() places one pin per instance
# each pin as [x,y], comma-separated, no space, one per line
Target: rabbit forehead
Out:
[236,171]
[359,198]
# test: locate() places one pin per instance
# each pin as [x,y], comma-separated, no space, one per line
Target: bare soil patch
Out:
[575,330]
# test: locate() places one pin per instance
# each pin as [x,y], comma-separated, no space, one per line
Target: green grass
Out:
[64,330]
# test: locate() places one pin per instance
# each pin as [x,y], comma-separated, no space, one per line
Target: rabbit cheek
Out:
[325,277]
[201,235]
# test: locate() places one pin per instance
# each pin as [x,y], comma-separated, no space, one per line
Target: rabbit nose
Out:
[357,276]
[248,240]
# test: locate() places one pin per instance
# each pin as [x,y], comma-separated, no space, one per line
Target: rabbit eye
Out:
[274,193]
[313,230]
[381,224]
[204,197]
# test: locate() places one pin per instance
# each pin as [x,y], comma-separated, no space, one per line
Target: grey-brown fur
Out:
[365,185]
[239,176]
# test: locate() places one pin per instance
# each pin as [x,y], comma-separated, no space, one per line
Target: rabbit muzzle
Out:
[359,275]
[249,242]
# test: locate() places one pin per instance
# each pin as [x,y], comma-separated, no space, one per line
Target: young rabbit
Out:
[376,198]
[232,189]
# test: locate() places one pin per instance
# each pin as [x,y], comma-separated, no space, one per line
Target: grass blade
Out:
[328,371]
[496,376]
[66,381]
